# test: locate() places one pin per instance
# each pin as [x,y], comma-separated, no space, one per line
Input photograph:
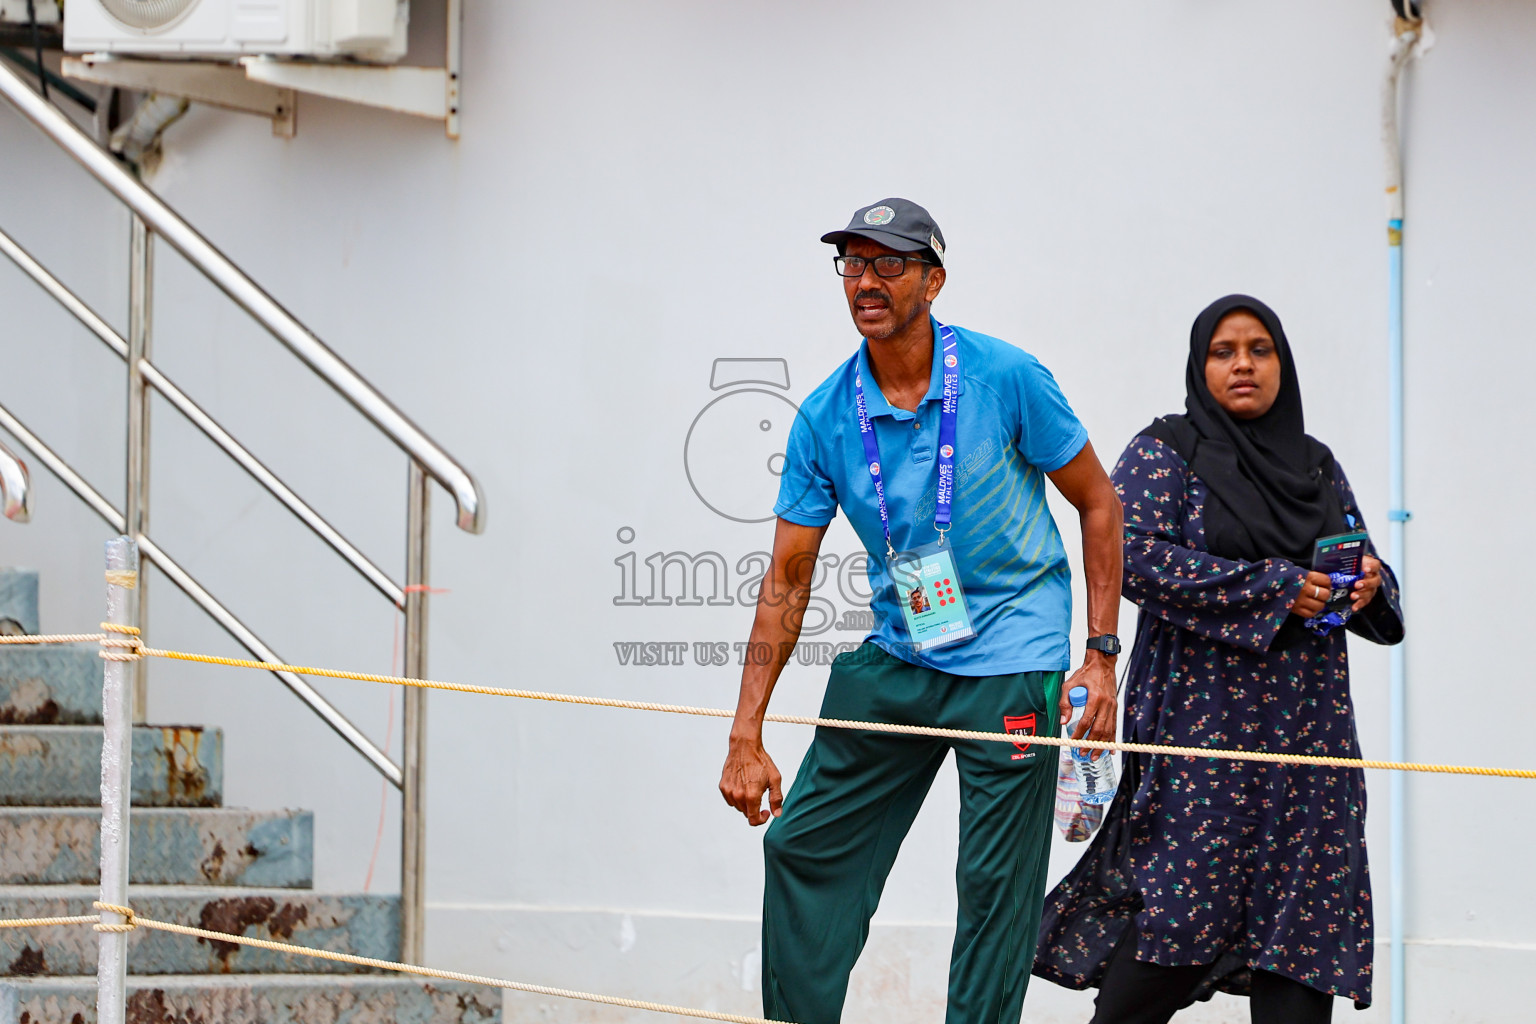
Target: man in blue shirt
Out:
[935,442]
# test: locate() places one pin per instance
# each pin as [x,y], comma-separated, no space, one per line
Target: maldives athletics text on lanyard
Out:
[926,578]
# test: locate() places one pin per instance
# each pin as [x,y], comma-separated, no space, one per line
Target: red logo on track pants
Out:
[1020,725]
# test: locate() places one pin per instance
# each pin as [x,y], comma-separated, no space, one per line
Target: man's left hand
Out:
[1097,673]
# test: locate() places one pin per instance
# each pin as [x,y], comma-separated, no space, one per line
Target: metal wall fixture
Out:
[15,487]
[427,461]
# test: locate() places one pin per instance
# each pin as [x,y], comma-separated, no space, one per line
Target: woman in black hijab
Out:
[1241,876]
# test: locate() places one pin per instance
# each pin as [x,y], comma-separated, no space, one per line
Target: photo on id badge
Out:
[932,602]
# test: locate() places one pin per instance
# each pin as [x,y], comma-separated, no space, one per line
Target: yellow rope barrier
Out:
[43,922]
[130,647]
[128,642]
[426,972]
[55,638]
[839,723]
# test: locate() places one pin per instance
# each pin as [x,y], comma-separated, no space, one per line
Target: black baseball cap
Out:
[899,224]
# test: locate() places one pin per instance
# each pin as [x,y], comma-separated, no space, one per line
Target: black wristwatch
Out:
[1108,643]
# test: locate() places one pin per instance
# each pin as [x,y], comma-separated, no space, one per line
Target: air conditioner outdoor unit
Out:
[368,29]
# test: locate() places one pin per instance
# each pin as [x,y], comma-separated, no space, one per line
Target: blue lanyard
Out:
[944,493]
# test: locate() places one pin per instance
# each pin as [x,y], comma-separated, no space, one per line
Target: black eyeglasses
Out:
[885,266]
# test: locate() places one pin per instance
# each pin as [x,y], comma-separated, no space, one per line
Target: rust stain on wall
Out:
[285,920]
[186,779]
[210,866]
[18,745]
[233,916]
[30,703]
[29,962]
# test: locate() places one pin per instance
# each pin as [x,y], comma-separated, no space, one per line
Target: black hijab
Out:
[1271,491]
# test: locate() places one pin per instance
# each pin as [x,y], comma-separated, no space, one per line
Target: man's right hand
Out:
[748,773]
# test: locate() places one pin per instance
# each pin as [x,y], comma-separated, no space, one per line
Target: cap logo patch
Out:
[880,215]
[936,245]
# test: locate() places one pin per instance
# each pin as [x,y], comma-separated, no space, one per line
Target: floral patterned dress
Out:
[1229,863]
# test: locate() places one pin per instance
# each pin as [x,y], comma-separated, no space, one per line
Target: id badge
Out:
[928,590]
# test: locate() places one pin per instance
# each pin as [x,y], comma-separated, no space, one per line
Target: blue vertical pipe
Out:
[1407,34]
[1397,689]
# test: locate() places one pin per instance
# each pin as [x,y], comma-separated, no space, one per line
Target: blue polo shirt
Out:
[1014,426]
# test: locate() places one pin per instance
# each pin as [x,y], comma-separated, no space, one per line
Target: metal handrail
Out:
[165,222]
[201,597]
[15,487]
[427,460]
[205,423]
[61,469]
[251,642]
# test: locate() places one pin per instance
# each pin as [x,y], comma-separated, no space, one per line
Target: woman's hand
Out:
[1314,595]
[1367,586]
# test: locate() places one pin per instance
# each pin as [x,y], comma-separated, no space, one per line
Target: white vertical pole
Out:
[116,765]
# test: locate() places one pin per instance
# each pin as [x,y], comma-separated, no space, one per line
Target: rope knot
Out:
[125,647]
[129,924]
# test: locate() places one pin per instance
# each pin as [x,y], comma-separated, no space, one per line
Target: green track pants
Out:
[856,795]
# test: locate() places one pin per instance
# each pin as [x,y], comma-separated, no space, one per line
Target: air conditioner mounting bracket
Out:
[269,86]
[217,84]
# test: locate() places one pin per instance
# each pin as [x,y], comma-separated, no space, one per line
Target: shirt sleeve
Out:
[1050,435]
[1244,604]
[806,494]
[1381,621]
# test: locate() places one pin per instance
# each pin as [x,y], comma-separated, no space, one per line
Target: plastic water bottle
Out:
[1095,768]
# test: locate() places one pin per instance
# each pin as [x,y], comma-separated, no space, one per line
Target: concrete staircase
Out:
[193,861]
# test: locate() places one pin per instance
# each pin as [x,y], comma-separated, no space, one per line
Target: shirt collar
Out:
[874,401]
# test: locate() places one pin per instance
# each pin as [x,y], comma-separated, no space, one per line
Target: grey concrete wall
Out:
[637,194]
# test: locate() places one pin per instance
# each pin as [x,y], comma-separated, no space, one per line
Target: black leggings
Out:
[1134,992]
